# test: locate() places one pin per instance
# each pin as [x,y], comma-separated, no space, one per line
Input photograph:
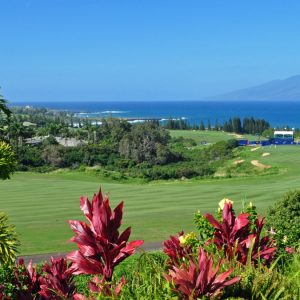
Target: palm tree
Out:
[7,157]
[7,163]
[16,133]
[4,111]
[3,107]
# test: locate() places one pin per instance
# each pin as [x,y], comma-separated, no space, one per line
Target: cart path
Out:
[38,258]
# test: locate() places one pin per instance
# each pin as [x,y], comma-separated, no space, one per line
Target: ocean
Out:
[276,113]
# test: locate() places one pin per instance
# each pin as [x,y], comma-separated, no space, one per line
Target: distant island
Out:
[276,90]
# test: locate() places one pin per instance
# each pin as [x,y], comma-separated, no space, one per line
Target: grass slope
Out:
[40,204]
[209,136]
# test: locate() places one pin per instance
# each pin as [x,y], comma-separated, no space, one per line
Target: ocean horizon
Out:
[276,113]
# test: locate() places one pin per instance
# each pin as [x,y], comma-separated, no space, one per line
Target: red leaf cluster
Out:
[261,247]
[26,280]
[234,236]
[197,279]
[176,251]
[57,282]
[101,247]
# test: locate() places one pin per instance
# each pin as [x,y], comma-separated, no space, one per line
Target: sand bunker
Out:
[254,149]
[265,154]
[238,136]
[238,162]
[256,163]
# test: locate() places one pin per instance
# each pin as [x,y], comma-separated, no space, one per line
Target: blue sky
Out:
[71,50]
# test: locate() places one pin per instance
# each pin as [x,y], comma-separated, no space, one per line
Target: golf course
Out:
[41,204]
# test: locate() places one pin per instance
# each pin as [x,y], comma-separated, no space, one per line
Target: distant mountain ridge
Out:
[275,90]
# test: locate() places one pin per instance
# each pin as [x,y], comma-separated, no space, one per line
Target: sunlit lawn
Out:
[40,204]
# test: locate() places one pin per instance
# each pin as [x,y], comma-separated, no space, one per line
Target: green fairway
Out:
[40,204]
[209,136]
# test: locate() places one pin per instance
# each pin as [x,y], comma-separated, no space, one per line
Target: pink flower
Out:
[290,250]
[272,231]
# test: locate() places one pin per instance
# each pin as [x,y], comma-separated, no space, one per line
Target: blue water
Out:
[277,113]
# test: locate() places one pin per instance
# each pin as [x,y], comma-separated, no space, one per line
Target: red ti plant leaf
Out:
[26,281]
[176,251]
[230,231]
[261,248]
[100,245]
[235,237]
[200,278]
[57,282]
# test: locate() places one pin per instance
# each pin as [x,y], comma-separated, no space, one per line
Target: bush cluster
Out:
[141,151]
[283,220]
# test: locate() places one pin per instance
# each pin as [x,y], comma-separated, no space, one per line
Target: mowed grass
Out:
[40,204]
[209,136]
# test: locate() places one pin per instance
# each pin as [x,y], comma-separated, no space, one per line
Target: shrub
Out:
[26,281]
[56,282]
[284,219]
[101,247]
[177,250]
[205,229]
[7,161]
[8,241]
[6,277]
[195,279]
[237,239]
[266,282]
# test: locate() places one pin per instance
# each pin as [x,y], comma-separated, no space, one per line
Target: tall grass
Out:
[261,282]
[144,276]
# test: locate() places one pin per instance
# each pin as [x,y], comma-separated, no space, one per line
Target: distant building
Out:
[35,140]
[69,142]
[66,142]
[283,137]
[28,124]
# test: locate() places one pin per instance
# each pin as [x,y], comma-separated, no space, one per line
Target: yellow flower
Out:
[191,236]
[250,204]
[182,240]
[285,239]
[223,201]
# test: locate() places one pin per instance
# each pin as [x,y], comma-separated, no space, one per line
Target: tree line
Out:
[247,125]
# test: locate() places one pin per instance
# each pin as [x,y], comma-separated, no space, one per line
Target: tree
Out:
[4,111]
[146,142]
[217,126]
[7,161]
[237,125]
[3,107]
[202,127]
[208,125]
[7,156]
[16,133]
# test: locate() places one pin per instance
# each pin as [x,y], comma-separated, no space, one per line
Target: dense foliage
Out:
[284,219]
[7,160]
[121,150]
[7,157]
[247,125]
[9,241]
